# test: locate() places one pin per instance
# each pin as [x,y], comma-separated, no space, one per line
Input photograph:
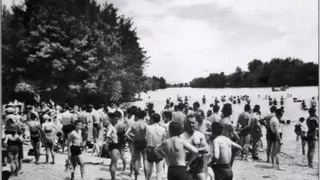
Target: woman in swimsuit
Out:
[35,135]
[13,141]
[47,127]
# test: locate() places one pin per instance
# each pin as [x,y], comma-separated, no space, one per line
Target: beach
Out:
[291,160]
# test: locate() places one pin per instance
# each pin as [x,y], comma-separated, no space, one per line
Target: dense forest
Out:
[71,51]
[277,72]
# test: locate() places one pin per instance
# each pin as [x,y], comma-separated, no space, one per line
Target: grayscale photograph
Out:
[160,90]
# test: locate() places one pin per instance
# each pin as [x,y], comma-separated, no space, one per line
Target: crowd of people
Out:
[183,141]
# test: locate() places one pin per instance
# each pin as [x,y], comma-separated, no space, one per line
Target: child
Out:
[300,130]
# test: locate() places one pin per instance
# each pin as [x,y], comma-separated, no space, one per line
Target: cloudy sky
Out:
[192,38]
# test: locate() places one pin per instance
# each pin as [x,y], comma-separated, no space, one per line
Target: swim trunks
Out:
[75,150]
[140,145]
[113,146]
[152,156]
[35,136]
[196,166]
[176,172]
[222,171]
[13,147]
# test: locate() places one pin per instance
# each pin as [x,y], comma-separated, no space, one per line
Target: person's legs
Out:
[122,154]
[303,145]
[81,162]
[247,139]
[311,149]
[149,170]
[269,143]
[11,161]
[38,151]
[255,147]
[137,159]
[132,158]
[159,170]
[273,152]
[73,159]
[113,165]
[47,153]
[52,153]
[16,163]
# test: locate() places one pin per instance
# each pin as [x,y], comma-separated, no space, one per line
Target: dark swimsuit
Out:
[49,141]
[67,129]
[177,173]
[140,145]
[152,156]
[13,146]
[196,166]
[35,135]
[222,171]
[75,150]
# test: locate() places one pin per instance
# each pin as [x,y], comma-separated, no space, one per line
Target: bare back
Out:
[174,151]
[139,130]
[222,149]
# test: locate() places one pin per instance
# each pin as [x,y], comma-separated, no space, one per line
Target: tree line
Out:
[71,51]
[277,72]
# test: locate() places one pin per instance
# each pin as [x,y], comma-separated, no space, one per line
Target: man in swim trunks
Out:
[138,134]
[179,116]
[96,120]
[196,108]
[275,138]
[155,135]
[75,149]
[174,152]
[129,121]
[83,117]
[223,149]
[312,134]
[244,121]
[266,122]
[67,126]
[197,139]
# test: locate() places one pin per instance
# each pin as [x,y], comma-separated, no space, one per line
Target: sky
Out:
[186,39]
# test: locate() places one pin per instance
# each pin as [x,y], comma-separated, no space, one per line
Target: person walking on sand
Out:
[179,116]
[276,140]
[35,135]
[173,150]
[223,149]
[75,149]
[155,135]
[66,121]
[312,134]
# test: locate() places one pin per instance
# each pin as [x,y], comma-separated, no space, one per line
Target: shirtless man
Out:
[223,148]
[83,117]
[155,135]
[179,116]
[244,121]
[228,129]
[67,126]
[204,126]
[196,108]
[35,135]
[196,138]
[275,138]
[174,152]
[48,127]
[129,121]
[75,149]
[266,122]
[137,133]
[96,120]
[121,131]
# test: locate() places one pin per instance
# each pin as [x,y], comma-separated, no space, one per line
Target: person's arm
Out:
[158,150]
[216,151]
[189,147]
[238,124]
[69,144]
[234,134]
[203,144]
